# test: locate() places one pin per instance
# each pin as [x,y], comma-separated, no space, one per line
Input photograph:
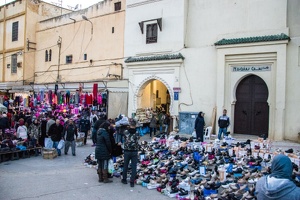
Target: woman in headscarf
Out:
[199,126]
[279,184]
[103,151]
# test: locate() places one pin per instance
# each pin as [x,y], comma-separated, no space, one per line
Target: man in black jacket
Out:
[84,126]
[131,147]
[70,132]
[3,123]
[56,134]
[223,123]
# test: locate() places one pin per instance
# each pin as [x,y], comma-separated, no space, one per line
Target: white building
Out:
[238,55]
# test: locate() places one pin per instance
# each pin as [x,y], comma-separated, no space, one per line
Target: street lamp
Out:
[85,18]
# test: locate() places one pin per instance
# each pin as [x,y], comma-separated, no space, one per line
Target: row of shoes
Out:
[176,172]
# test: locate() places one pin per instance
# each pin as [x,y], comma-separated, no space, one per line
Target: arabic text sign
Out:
[249,68]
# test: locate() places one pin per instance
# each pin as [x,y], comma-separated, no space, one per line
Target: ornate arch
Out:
[145,82]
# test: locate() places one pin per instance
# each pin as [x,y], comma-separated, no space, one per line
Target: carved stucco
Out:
[145,82]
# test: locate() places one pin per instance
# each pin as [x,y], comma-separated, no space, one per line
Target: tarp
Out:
[2,108]
[117,104]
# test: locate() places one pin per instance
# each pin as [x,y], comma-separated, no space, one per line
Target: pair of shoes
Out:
[124,181]
[74,154]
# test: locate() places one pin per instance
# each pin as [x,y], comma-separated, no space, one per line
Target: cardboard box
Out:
[49,153]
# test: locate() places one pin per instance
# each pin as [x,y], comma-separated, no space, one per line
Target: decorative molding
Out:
[142,3]
[146,81]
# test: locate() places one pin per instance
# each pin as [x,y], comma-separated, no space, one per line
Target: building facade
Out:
[84,47]
[214,55]
[18,42]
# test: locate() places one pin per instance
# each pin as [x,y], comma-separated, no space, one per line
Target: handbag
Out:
[117,150]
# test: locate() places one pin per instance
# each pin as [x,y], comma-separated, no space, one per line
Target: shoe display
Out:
[185,168]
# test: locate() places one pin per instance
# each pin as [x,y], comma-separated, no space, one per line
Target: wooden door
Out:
[251,114]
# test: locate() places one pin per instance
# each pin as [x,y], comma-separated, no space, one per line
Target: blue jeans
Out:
[222,130]
[55,144]
[166,128]
[160,128]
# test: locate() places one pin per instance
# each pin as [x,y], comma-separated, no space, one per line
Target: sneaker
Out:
[74,154]
[124,181]
[66,153]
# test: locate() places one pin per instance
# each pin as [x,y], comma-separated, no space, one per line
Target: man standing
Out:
[223,123]
[70,133]
[84,126]
[55,132]
[50,121]
[131,147]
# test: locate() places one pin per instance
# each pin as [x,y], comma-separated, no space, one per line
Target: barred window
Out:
[14,63]
[15,31]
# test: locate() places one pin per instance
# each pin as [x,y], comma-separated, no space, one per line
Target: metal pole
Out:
[59,49]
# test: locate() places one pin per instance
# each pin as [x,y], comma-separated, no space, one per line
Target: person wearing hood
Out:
[131,147]
[199,126]
[279,184]
[103,152]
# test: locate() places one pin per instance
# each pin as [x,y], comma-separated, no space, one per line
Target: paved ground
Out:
[64,178]
[67,178]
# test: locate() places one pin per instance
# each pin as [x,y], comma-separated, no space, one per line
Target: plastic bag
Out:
[194,134]
[61,144]
[111,166]
[48,143]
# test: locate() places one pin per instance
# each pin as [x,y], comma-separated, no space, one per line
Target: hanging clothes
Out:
[86,96]
[42,95]
[55,89]
[82,99]
[68,97]
[99,99]
[77,97]
[50,97]
[95,91]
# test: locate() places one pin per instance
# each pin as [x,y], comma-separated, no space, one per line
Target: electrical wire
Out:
[190,89]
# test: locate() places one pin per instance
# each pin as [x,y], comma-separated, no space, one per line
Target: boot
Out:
[105,176]
[100,175]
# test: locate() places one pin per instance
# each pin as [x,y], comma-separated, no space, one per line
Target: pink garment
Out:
[99,99]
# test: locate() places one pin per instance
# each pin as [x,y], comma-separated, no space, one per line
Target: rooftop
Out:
[155,58]
[266,38]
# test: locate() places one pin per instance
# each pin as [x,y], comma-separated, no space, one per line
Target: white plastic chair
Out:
[207,133]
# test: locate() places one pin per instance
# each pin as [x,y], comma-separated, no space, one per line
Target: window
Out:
[14,63]
[69,59]
[151,36]
[46,56]
[113,29]
[117,6]
[50,55]
[15,31]
[85,56]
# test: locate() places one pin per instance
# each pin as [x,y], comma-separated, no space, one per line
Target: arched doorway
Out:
[251,114]
[154,94]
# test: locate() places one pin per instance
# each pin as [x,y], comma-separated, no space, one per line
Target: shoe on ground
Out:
[74,154]
[124,181]
[66,153]
[131,184]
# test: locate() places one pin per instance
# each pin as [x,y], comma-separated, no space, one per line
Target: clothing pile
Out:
[185,168]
